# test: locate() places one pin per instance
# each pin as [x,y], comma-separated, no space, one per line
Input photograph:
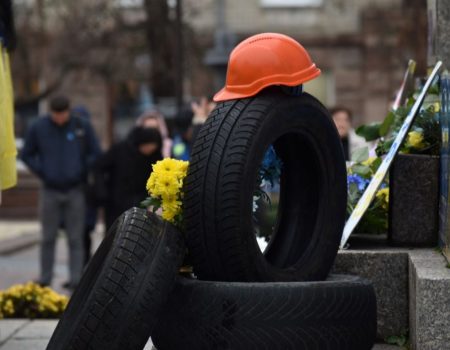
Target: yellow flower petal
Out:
[415,139]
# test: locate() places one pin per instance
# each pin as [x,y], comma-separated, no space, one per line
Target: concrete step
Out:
[429,303]
[387,269]
[412,288]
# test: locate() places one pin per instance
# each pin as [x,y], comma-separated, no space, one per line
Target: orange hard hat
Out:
[263,60]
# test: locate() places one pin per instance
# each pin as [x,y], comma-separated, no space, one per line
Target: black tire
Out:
[124,287]
[222,175]
[337,314]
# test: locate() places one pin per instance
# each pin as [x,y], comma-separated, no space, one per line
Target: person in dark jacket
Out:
[91,207]
[59,149]
[121,173]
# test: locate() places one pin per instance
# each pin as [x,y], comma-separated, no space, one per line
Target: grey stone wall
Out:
[388,272]
[439,31]
[363,45]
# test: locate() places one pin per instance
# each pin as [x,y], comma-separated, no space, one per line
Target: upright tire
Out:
[337,314]
[124,288]
[222,176]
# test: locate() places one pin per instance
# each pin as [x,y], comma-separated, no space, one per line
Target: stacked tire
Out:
[242,298]
[246,299]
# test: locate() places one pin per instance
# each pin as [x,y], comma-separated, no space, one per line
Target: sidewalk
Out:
[34,335]
[19,257]
[30,335]
[16,235]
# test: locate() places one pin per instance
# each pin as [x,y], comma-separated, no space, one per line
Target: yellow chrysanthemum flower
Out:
[31,300]
[415,139]
[151,183]
[369,161]
[170,208]
[165,184]
[170,165]
[182,167]
[383,194]
[437,107]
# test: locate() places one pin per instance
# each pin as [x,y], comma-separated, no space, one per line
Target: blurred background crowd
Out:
[121,59]
[138,76]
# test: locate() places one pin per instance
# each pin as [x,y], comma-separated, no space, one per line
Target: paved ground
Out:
[19,256]
[19,264]
[34,335]
[29,335]
[12,229]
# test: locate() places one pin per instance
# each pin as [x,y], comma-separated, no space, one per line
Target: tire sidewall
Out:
[306,116]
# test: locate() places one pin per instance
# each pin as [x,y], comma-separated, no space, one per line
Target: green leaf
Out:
[396,340]
[370,132]
[387,123]
[375,164]
[383,147]
[151,202]
[361,170]
[360,155]
[353,193]
[146,202]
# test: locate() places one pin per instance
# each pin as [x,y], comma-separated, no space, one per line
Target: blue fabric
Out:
[58,155]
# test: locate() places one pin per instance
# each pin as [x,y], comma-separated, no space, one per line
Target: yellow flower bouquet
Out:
[165,189]
[31,301]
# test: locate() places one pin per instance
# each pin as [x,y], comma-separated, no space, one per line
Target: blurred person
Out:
[188,125]
[91,207]
[154,119]
[201,110]
[121,173]
[342,118]
[60,148]
[181,147]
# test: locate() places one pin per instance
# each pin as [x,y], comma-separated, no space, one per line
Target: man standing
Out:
[59,149]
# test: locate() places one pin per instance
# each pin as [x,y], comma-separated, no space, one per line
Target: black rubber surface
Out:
[125,286]
[337,314]
[222,177]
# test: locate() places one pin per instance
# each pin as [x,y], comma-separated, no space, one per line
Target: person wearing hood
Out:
[121,173]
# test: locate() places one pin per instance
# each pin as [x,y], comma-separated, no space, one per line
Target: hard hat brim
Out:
[225,94]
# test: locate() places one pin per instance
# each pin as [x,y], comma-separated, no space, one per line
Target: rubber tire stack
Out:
[335,314]
[279,313]
[243,299]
